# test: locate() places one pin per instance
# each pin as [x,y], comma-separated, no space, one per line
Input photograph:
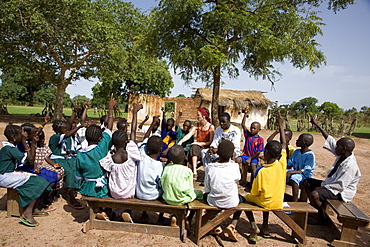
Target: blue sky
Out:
[345,79]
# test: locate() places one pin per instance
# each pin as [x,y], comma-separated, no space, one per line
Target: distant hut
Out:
[234,102]
[231,101]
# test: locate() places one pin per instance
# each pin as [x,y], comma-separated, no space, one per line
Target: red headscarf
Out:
[205,114]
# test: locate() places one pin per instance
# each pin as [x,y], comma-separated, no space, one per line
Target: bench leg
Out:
[181,216]
[347,235]
[298,225]
[12,203]
[198,225]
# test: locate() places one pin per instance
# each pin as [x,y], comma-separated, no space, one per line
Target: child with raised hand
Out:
[301,165]
[181,132]
[288,137]
[89,172]
[268,187]
[168,135]
[60,144]
[220,184]
[29,186]
[342,179]
[149,169]
[253,146]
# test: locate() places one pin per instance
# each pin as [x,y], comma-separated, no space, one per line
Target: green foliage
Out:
[330,109]
[181,96]
[48,95]
[65,40]
[80,100]
[205,39]
[365,110]
[305,105]
[11,92]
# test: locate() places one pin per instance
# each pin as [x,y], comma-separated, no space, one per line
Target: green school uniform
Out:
[179,135]
[59,146]
[33,188]
[89,169]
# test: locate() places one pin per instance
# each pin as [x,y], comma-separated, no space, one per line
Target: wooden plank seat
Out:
[214,216]
[140,205]
[12,203]
[351,218]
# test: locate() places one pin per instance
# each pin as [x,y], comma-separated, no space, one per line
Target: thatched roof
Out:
[233,97]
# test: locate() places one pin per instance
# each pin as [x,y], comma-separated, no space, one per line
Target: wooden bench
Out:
[12,203]
[203,224]
[140,205]
[351,218]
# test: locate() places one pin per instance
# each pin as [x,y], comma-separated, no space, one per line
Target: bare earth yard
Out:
[63,226]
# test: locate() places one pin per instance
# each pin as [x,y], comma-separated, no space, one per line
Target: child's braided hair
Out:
[93,133]
[11,130]
[119,138]
[57,125]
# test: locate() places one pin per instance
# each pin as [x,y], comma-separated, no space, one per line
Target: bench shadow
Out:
[80,215]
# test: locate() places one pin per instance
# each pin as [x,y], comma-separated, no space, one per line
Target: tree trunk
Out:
[216,94]
[59,100]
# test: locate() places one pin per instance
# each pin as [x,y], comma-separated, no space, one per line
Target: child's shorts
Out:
[297,178]
[245,157]
[324,193]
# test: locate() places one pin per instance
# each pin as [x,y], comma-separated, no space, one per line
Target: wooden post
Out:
[12,204]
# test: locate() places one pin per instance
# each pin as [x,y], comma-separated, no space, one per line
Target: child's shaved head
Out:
[225,150]
[177,154]
[346,142]
[273,148]
[154,145]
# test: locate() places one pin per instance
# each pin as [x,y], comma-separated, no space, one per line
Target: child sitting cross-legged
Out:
[301,165]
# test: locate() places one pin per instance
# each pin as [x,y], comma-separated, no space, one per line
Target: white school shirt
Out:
[345,179]
[220,182]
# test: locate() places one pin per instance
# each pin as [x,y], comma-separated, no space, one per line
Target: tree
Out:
[365,110]
[330,109]
[48,96]
[65,40]
[305,105]
[80,100]
[11,92]
[144,74]
[204,39]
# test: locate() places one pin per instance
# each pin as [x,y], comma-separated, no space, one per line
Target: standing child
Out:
[29,186]
[253,146]
[88,170]
[60,145]
[301,165]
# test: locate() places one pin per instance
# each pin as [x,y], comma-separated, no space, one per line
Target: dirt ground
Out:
[63,227]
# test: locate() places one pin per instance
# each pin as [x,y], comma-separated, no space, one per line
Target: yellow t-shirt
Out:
[268,187]
[291,151]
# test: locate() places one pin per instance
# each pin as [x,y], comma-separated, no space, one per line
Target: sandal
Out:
[31,223]
[78,207]
[253,239]
[49,209]
[102,216]
[232,232]
[126,217]
[216,231]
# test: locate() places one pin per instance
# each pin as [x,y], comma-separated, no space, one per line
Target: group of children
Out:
[102,163]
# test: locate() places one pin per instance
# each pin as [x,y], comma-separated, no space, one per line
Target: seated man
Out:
[343,176]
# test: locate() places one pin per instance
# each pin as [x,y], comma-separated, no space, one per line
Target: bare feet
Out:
[232,232]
